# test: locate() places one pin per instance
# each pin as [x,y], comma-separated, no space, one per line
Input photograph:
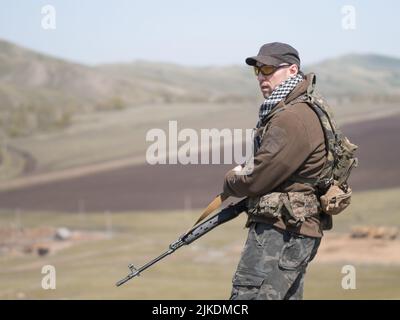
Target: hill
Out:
[39,92]
[359,75]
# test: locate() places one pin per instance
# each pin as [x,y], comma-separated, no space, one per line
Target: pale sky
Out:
[207,32]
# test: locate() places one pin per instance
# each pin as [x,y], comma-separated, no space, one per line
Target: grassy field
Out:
[11,166]
[116,134]
[203,270]
[112,135]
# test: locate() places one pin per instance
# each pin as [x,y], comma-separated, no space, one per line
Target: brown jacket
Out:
[293,144]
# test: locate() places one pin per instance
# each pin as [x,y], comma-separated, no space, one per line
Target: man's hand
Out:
[237,168]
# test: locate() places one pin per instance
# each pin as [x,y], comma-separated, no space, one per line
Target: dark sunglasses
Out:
[267,70]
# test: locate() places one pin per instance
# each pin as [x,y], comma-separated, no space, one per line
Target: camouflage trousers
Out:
[273,264]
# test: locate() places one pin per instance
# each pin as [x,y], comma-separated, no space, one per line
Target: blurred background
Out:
[81,83]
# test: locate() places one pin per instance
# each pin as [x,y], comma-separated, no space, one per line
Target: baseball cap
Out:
[274,54]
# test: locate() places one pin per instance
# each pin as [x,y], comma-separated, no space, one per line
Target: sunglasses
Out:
[267,70]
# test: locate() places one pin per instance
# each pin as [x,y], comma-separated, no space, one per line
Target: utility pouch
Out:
[336,200]
[292,207]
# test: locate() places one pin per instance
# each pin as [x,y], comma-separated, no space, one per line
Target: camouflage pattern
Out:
[292,207]
[273,264]
[301,206]
[334,192]
[269,205]
[340,151]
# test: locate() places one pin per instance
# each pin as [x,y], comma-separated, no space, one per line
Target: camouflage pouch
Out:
[269,205]
[335,200]
[300,206]
[292,207]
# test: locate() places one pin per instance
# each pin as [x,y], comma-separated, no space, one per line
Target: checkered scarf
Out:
[279,93]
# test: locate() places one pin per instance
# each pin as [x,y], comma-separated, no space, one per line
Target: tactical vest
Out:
[295,207]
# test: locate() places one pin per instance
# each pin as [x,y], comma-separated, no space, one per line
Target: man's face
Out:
[270,82]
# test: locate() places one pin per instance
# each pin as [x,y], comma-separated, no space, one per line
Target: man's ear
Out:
[293,69]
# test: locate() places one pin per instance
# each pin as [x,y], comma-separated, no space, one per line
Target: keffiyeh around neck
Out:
[279,93]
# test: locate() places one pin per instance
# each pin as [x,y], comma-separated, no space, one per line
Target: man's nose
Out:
[261,77]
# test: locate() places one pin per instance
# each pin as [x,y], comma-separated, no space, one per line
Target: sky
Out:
[206,32]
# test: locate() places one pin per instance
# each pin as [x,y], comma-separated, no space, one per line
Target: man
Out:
[283,209]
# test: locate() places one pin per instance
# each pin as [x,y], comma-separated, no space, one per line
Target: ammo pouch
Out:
[292,207]
[335,200]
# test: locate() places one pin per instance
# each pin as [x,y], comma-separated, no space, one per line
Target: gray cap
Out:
[274,54]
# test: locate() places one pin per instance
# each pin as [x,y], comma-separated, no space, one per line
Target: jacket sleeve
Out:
[284,148]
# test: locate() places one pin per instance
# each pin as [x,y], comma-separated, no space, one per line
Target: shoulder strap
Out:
[328,126]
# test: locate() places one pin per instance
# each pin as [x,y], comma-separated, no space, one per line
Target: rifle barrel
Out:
[177,244]
[195,233]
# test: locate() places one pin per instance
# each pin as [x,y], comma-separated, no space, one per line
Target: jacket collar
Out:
[301,88]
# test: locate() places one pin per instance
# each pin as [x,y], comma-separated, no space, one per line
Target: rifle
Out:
[226,214]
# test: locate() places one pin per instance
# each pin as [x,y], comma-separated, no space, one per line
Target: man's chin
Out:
[266,93]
